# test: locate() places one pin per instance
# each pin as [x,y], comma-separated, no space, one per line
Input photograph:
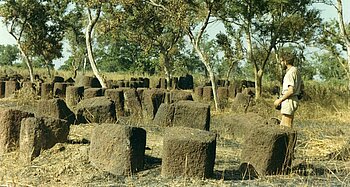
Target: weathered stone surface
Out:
[31,139]
[11,87]
[222,96]
[96,110]
[198,91]
[57,79]
[2,89]
[184,113]
[54,130]
[133,107]
[151,100]
[232,90]
[70,80]
[165,115]
[120,150]
[192,114]
[38,134]
[59,89]
[162,83]
[269,150]
[186,82]
[188,152]
[117,96]
[207,93]
[74,95]
[241,102]
[249,91]
[46,91]
[10,125]
[93,92]
[87,82]
[55,108]
[28,85]
[238,125]
[180,95]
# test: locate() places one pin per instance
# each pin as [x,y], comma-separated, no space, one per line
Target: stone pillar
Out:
[116,95]
[59,89]
[46,91]
[188,152]
[120,150]
[11,87]
[73,95]
[269,150]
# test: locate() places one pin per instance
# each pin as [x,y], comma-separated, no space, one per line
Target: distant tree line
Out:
[171,37]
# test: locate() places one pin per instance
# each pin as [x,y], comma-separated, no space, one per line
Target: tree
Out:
[329,67]
[92,20]
[96,10]
[194,17]
[8,55]
[199,15]
[34,26]
[232,54]
[119,54]
[76,39]
[268,24]
[336,37]
[150,27]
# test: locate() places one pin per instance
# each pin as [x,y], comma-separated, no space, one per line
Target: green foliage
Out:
[124,56]
[329,38]
[37,28]
[331,62]
[328,67]
[76,40]
[267,26]
[151,27]
[8,54]
[188,63]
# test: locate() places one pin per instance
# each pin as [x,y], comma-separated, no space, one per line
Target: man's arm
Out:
[286,95]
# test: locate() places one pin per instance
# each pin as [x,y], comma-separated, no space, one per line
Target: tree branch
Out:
[341,22]
[205,24]
[151,2]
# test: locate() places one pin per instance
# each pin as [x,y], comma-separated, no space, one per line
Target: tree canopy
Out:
[172,37]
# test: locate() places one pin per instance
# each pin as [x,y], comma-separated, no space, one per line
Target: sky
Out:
[327,12]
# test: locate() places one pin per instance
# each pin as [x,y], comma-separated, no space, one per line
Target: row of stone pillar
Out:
[186,151]
[182,83]
[189,152]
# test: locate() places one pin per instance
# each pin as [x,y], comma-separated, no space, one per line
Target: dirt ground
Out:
[321,159]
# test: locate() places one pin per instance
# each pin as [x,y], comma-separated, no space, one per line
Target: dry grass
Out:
[323,125]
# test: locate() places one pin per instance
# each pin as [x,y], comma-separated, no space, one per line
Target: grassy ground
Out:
[321,159]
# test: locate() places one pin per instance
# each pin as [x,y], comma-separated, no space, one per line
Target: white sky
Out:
[327,12]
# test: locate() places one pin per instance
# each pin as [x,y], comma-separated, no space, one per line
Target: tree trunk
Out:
[348,60]
[211,76]
[258,83]
[84,68]
[196,43]
[165,60]
[88,40]
[48,69]
[229,71]
[28,62]
[344,34]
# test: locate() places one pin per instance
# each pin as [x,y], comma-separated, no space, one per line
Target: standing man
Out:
[292,85]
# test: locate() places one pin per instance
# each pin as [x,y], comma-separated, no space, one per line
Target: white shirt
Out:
[292,78]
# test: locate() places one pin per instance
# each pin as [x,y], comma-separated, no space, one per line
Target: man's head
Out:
[287,58]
